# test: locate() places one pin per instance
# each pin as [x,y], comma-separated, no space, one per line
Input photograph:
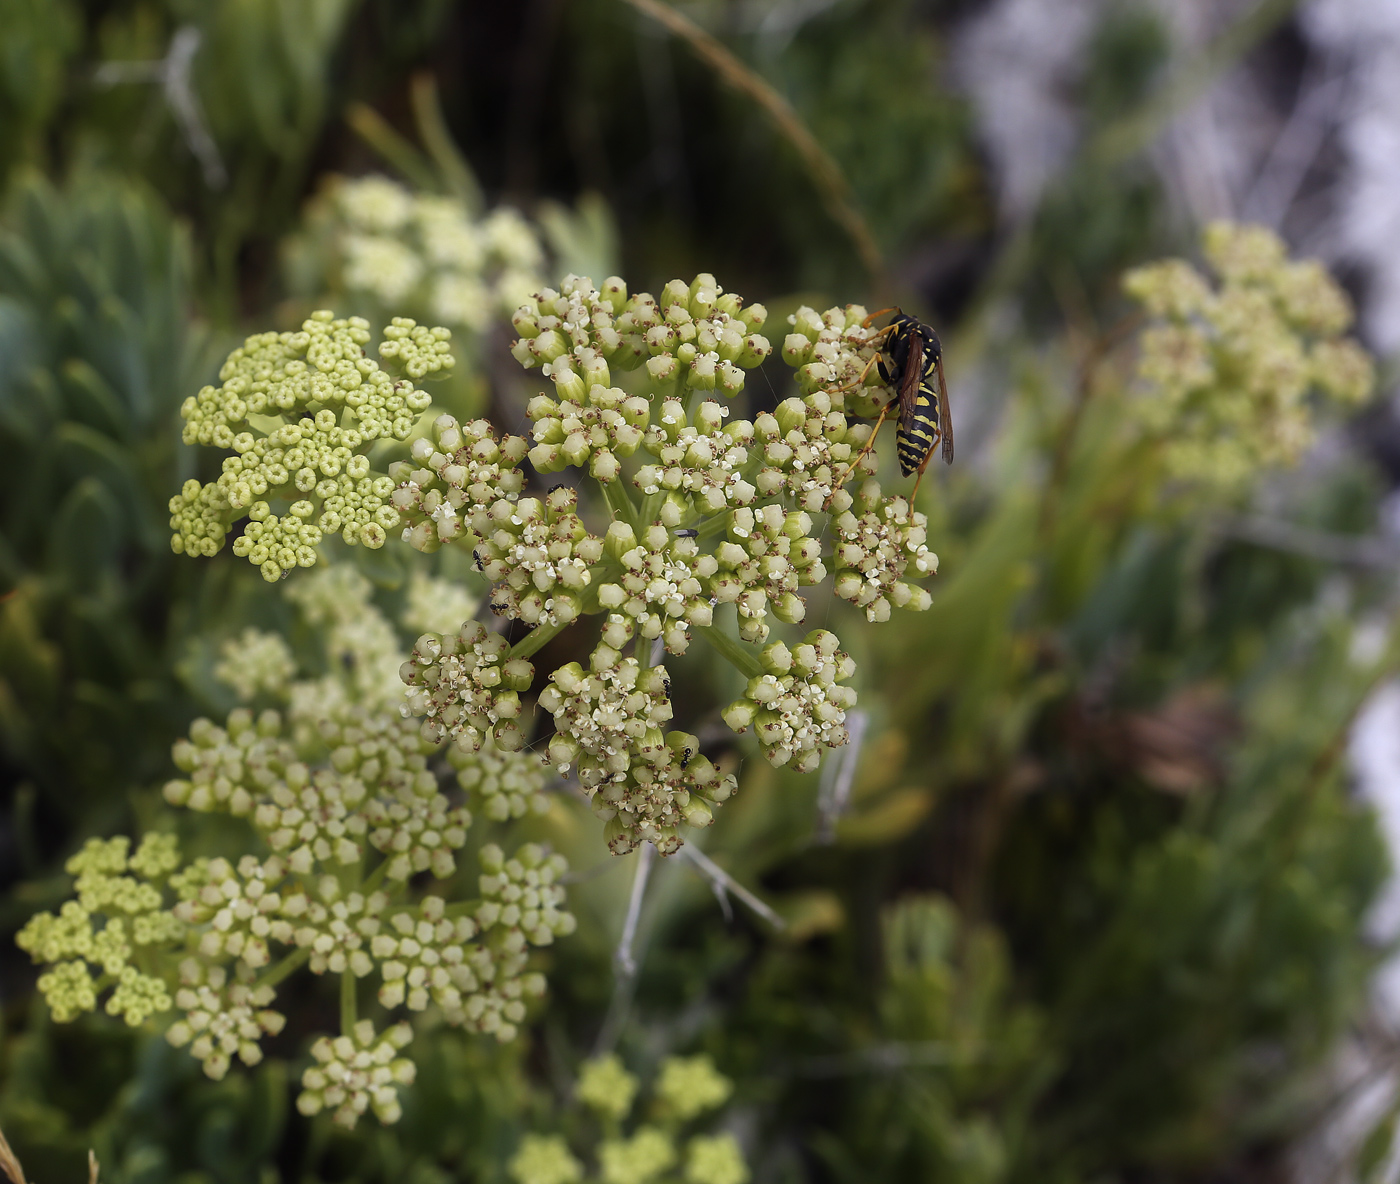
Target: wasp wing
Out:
[909,379]
[945,416]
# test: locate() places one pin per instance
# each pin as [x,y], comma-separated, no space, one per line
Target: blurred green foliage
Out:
[1094,911]
[100,350]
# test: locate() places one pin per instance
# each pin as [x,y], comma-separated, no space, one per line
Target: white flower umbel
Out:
[798,705]
[466,686]
[643,783]
[878,544]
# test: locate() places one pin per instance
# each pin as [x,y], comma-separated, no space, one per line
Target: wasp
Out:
[915,373]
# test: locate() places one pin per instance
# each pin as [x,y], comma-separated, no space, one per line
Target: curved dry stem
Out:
[826,174]
[9,1162]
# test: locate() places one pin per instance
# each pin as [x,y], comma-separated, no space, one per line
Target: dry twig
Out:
[826,174]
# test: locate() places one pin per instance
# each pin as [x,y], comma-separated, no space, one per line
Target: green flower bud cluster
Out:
[430,956]
[520,899]
[241,908]
[596,431]
[877,543]
[361,651]
[371,237]
[648,1154]
[134,919]
[358,1071]
[545,1159]
[686,1088]
[436,605]
[255,663]
[759,482]
[697,455]
[644,784]
[375,790]
[690,1086]
[807,446]
[505,785]
[222,1019]
[715,1159]
[798,705]
[454,484]
[696,335]
[300,412]
[606,1087]
[1231,369]
[466,686]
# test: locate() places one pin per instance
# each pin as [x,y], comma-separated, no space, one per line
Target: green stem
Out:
[375,878]
[348,1010]
[735,652]
[650,511]
[291,962]
[461,908]
[715,524]
[620,504]
[535,640]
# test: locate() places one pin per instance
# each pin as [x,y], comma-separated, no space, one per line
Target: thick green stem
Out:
[620,505]
[535,640]
[651,509]
[375,878]
[348,1002]
[715,524]
[735,652]
[293,961]
[461,908]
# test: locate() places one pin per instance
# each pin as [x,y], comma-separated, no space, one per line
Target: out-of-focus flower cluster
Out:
[344,807]
[662,1145]
[1232,370]
[358,1071]
[372,238]
[100,940]
[301,413]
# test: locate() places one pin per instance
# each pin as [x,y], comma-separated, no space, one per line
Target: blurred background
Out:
[1110,898]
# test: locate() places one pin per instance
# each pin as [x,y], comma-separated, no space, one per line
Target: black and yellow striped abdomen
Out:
[919,430]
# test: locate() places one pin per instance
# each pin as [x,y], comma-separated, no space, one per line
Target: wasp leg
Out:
[923,468]
[869,444]
[860,382]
